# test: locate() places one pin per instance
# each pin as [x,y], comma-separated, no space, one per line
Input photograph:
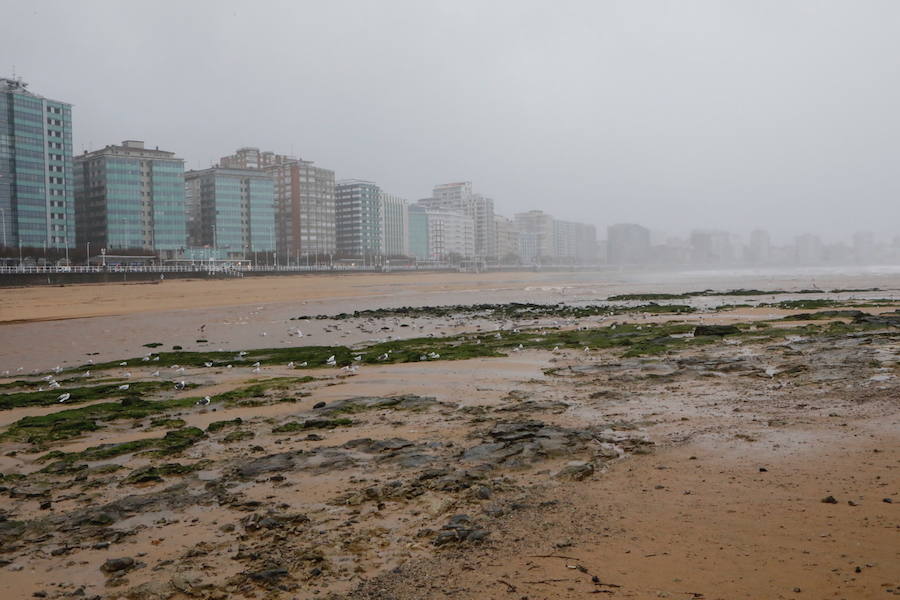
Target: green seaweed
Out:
[313,424]
[220,425]
[173,442]
[79,394]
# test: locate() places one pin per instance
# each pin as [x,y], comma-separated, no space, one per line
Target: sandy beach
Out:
[503,452]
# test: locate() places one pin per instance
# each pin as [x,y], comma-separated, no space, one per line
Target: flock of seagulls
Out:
[368,326]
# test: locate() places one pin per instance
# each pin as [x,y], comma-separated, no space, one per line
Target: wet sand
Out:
[709,464]
[41,327]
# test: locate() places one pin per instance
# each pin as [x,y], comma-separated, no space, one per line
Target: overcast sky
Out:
[734,115]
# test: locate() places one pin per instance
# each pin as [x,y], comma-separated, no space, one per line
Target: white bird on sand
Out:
[58,369]
[498,336]
[256,364]
[357,357]
[64,397]
[586,349]
[204,401]
[87,374]
[180,385]
[291,365]
[433,355]
[256,370]
[304,363]
[228,367]
[123,364]
[423,357]
[54,385]
[174,366]
[331,361]
[383,357]
[124,386]
[242,353]
[146,358]
[263,334]
[180,370]
[156,357]
[555,348]
[155,373]
[207,364]
[127,373]
[48,378]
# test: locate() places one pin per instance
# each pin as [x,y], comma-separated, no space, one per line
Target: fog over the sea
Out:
[731,115]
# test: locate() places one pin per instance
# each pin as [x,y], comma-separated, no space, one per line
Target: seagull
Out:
[357,357]
[586,349]
[155,373]
[54,385]
[174,366]
[263,334]
[383,357]
[64,397]
[180,370]
[90,361]
[257,370]
[146,358]
[207,364]
[58,369]
[256,364]
[124,386]
[331,362]
[127,373]
[423,357]
[433,355]
[87,374]
[121,364]
[48,378]
[242,353]
[304,363]
[180,385]
[204,401]
[156,357]
[228,367]
[291,365]
[498,336]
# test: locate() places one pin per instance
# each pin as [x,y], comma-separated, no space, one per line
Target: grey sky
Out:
[674,114]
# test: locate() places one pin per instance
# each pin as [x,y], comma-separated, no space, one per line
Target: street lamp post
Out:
[87,255]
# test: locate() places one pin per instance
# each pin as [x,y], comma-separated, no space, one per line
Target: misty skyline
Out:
[677,116]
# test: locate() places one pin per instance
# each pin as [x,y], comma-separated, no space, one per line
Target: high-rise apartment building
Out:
[357,209]
[760,247]
[459,197]
[418,232]
[304,201]
[394,225]
[711,247]
[536,235]
[37,189]
[231,210]
[451,235]
[627,244]
[129,197]
[507,235]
